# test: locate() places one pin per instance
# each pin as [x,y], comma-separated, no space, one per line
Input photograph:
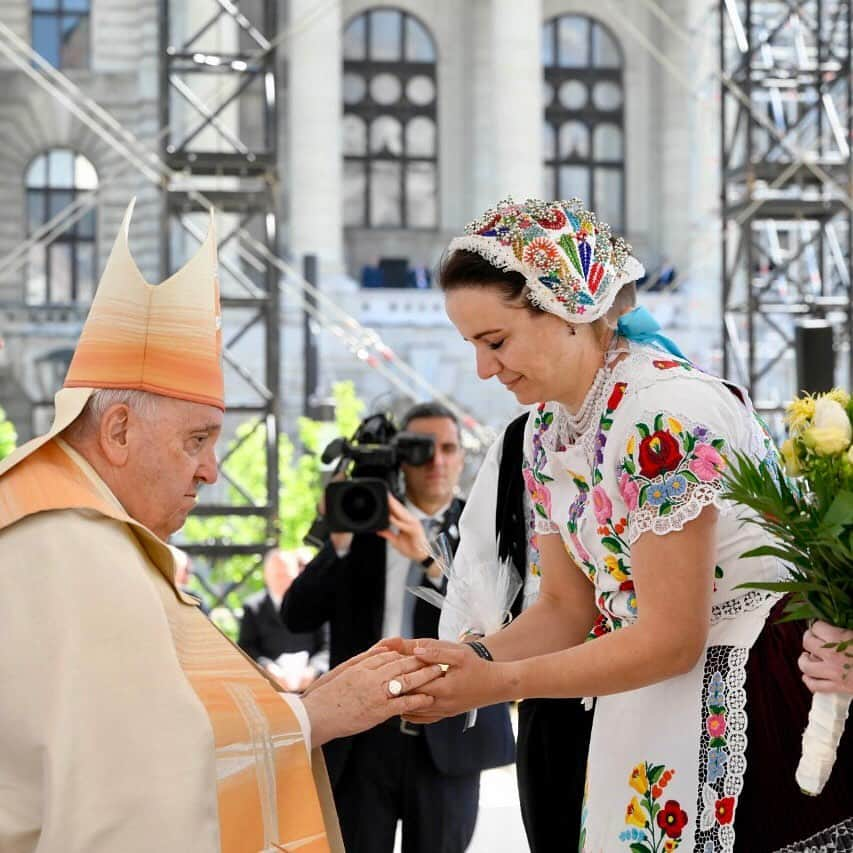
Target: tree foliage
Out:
[8,435]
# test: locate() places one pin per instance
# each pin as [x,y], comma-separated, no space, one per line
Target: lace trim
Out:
[697,497]
[833,839]
[734,607]
[545,525]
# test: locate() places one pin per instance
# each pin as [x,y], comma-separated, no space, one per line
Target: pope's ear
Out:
[113,434]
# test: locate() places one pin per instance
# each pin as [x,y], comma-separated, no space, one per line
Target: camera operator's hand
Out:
[408,538]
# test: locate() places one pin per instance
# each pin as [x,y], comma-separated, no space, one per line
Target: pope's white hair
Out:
[144,403]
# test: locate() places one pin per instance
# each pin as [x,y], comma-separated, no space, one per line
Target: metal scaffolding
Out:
[229,154]
[786,132]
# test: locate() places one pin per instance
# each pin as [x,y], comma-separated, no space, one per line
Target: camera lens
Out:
[359,504]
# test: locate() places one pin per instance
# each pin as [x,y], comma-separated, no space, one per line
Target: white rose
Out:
[831,431]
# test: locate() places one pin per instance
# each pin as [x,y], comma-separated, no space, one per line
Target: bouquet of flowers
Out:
[808,510]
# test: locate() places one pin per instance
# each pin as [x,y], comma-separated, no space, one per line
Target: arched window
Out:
[584,116]
[60,32]
[389,132]
[64,270]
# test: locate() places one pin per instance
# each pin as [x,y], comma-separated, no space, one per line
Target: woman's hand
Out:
[406,533]
[827,670]
[469,682]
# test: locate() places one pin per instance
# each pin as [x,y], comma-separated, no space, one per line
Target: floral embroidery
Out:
[665,465]
[668,364]
[534,477]
[653,827]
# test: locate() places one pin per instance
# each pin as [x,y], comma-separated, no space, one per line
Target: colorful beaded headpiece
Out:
[572,266]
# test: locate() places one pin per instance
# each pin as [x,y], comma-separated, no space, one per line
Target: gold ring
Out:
[395,687]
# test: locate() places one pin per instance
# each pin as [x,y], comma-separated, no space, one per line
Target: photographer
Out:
[426,776]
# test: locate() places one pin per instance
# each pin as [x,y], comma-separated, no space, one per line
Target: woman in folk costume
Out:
[700,708]
[127,721]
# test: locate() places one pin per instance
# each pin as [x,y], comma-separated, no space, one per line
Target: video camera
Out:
[359,504]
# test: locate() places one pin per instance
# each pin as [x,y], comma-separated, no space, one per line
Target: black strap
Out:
[510,523]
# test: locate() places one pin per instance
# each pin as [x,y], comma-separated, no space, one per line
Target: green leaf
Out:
[541,510]
[655,772]
[840,512]
[717,742]
[548,418]
[643,430]
[659,422]
[571,250]
[628,465]
[717,709]
[639,847]
[665,508]
[718,443]
[612,545]
[718,572]
[605,423]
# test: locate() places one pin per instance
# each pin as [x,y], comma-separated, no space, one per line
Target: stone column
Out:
[314,169]
[516,61]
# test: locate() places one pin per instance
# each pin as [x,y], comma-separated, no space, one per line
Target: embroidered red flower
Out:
[554,220]
[716,725]
[599,628]
[664,364]
[659,452]
[725,810]
[542,253]
[672,819]
[616,395]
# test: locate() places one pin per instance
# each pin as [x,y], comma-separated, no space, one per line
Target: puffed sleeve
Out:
[669,448]
[538,435]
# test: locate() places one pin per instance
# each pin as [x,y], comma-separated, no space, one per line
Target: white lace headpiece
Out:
[572,265]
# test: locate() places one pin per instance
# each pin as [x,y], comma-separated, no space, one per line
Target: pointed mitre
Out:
[162,338]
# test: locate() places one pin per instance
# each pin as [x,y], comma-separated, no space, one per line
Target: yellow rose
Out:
[799,413]
[638,780]
[831,431]
[789,456]
[634,814]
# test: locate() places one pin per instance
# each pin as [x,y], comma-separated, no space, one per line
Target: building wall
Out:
[671,140]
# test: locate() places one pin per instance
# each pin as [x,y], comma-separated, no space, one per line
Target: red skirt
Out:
[772,813]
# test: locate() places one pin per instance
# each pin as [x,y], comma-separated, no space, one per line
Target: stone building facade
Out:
[398,122]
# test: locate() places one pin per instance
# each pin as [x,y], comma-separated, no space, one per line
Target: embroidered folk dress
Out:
[667,761]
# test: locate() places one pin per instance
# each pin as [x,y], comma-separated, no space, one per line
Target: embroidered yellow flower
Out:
[616,571]
[629,447]
[674,425]
[634,814]
[638,779]
[669,845]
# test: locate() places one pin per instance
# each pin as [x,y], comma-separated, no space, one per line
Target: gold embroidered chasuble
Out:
[136,725]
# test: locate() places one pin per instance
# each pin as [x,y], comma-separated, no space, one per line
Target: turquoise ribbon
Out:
[639,326]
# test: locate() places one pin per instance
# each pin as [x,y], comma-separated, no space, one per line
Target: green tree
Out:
[8,436]
[300,485]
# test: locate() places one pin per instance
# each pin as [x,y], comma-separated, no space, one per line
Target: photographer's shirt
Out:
[397,575]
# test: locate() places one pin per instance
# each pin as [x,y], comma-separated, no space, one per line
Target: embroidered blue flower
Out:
[700,434]
[716,690]
[675,486]
[632,835]
[717,759]
[656,494]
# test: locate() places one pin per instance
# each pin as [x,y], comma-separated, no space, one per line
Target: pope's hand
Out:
[356,696]
[827,670]
[469,682]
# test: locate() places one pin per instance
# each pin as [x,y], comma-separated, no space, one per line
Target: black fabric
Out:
[349,593]
[553,743]
[264,634]
[771,811]
[510,521]
[390,775]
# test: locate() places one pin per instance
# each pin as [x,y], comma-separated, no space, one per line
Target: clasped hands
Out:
[434,680]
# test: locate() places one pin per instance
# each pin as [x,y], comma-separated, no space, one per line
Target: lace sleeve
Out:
[535,470]
[667,471]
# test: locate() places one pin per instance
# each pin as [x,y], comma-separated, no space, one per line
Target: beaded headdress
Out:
[572,265]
